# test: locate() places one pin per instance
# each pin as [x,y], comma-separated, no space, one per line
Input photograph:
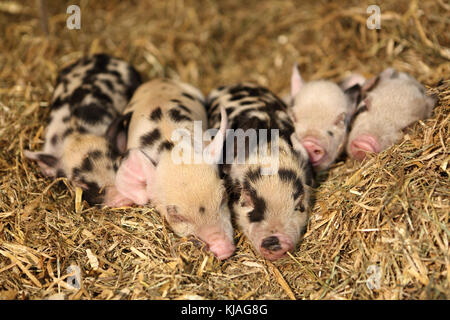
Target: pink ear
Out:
[351,80]
[296,81]
[369,84]
[136,177]
[213,151]
[368,103]
[388,73]
[121,141]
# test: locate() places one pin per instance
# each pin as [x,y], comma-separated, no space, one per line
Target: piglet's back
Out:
[401,100]
[159,107]
[96,89]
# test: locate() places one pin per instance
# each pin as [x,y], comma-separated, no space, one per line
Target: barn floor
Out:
[386,218]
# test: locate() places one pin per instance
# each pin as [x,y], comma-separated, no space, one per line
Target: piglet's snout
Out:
[275,246]
[219,244]
[113,198]
[363,144]
[315,151]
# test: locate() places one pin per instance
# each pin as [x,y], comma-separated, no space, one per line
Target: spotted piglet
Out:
[268,181]
[321,112]
[188,192]
[391,102]
[88,95]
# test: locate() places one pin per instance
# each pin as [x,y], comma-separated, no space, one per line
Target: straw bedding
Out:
[389,213]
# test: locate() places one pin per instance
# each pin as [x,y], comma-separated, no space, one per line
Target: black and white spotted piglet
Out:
[89,95]
[271,208]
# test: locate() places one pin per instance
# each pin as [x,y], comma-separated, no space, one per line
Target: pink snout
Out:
[219,244]
[363,144]
[275,246]
[315,151]
[113,198]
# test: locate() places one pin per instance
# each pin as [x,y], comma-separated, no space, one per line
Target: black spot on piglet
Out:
[287,175]
[187,95]
[166,145]
[91,113]
[150,138]
[176,116]
[94,155]
[257,214]
[86,165]
[156,114]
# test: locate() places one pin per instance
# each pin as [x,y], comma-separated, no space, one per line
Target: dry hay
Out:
[391,211]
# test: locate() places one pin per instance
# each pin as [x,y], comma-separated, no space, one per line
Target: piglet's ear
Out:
[117,133]
[135,178]
[389,73]
[296,81]
[351,80]
[213,152]
[354,95]
[367,102]
[47,163]
[370,84]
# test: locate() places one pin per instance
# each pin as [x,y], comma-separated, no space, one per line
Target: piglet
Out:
[321,111]
[269,183]
[162,170]
[391,102]
[88,96]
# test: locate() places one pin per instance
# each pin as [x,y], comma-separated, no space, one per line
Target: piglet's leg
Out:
[135,177]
